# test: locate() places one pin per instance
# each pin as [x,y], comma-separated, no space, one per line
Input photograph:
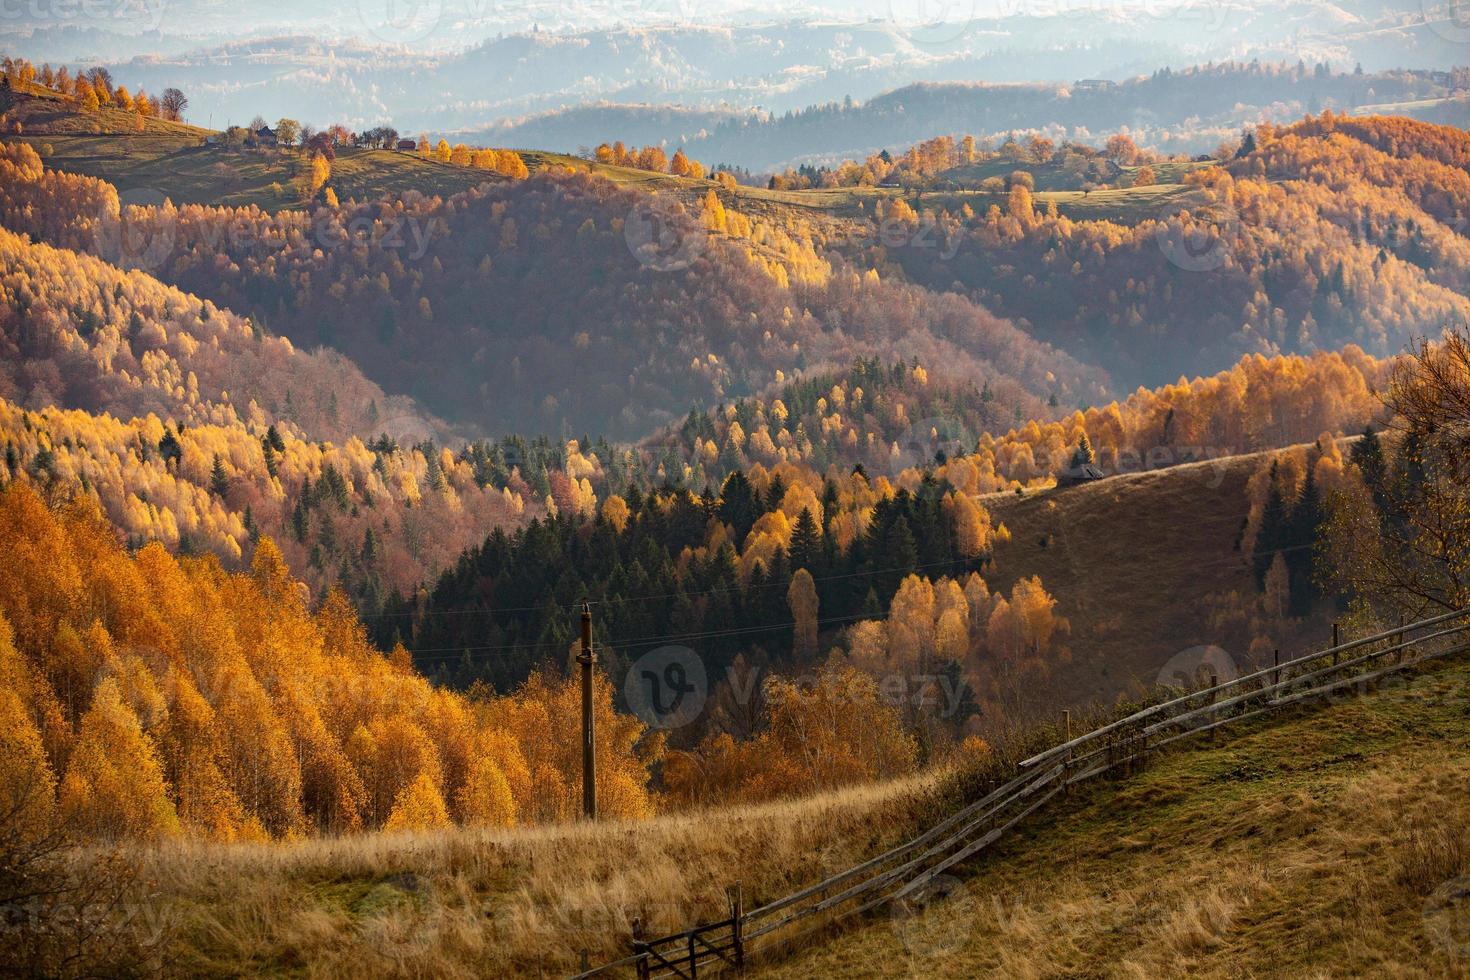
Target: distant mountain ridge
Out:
[481,75]
[1190,111]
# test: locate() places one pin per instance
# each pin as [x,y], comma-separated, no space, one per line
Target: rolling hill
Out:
[515,77]
[865,481]
[1335,837]
[1328,835]
[150,159]
[1176,110]
[188,425]
[1119,554]
[669,313]
[1289,239]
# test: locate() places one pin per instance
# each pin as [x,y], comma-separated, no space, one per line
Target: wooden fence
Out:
[910,868]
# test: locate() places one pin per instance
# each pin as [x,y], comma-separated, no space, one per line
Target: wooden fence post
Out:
[1334,645]
[1067,721]
[1214,696]
[1276,664]
[737,927]
[638,947]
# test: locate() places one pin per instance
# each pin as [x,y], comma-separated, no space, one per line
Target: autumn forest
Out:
[318,441]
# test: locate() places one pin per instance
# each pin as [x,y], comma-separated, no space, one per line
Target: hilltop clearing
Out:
[148,159]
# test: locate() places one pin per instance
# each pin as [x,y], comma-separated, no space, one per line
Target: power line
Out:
[439,654]
[664,595]
[443,653]
[493,611]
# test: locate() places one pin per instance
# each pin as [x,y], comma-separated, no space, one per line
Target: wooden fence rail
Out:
[909,868]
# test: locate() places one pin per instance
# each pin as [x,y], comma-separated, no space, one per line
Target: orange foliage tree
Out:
[175,697]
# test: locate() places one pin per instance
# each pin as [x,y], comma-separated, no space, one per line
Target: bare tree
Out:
[101,80]
[1402,548]
[173,103]
[66,913]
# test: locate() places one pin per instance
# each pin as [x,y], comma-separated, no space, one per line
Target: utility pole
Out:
[589,742]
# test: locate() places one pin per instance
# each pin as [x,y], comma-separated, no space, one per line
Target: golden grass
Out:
[169,157]
[467,903]
[1124,205]
[163,156]
[1120,554]
[1316,848]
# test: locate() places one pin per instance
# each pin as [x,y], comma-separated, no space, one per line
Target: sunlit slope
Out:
[154,158]
[1132,559]
[158,157]
[1332,844]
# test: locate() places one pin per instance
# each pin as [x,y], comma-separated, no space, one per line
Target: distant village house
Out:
[1083,467]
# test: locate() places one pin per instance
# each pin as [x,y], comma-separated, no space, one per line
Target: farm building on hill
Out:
[1083,468]
[1075,476]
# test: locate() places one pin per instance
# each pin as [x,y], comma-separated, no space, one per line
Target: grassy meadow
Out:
[137,154]
[1334,838]
[1320,835]
[499,903]
[134,154]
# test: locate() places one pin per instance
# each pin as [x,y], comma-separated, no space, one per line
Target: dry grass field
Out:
[1123,205]
[137,154]
[465,903]
[155,155]
[1334,835]
[1332,845]
[1131,560]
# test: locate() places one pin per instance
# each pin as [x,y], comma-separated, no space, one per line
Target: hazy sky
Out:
[467,21]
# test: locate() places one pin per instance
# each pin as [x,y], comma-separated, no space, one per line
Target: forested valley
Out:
[322,490]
